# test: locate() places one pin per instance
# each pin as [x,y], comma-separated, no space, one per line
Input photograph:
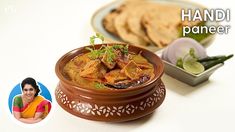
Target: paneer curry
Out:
[110,66]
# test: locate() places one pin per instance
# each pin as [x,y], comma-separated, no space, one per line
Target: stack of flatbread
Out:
[144,23]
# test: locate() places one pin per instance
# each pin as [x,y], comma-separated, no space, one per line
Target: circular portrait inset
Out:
[30,101]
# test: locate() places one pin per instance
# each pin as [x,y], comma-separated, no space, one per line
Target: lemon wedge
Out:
[193,67]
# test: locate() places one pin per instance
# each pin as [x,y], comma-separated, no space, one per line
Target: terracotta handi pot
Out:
[116,105]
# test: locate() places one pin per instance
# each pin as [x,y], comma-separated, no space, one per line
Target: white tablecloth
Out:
[34,34]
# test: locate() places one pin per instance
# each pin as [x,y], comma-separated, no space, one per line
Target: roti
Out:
[161,24]
[123,29]
[146,23]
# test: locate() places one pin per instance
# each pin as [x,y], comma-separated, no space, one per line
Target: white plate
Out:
[98,16]
[191,79]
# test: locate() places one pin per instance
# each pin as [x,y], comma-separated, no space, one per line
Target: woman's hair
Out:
[32,82]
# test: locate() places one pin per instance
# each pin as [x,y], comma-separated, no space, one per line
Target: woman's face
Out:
[29,91]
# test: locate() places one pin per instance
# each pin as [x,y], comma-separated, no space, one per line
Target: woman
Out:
[30,107]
